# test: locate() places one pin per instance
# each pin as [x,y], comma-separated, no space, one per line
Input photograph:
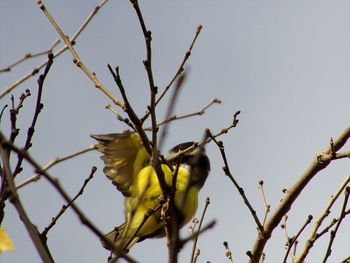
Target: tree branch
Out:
[27,56]
[56,54]
[14,199]
[65,207]
[36,177]
[318,164]
[55,183]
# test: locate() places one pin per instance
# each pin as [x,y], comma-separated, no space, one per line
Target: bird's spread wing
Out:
[124,156]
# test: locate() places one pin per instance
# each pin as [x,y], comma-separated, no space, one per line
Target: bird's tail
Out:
[121,241]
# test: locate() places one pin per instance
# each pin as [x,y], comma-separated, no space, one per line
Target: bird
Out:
[128,165]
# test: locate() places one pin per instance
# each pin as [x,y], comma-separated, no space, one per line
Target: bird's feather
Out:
[124,157]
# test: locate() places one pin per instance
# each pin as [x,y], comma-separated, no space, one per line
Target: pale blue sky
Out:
[284,64]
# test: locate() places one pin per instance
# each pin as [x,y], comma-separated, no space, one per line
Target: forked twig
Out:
[293,240]
[27,56]
[14,111]
[38,108]
[195,240]
[263,197]
[334,232]
[314,235]
[56,54]
[129,110]
[330,225]
[77,60]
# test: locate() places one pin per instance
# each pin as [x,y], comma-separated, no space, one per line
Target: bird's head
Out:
[194,160]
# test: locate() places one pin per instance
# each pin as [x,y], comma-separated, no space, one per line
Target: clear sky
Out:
[284,64]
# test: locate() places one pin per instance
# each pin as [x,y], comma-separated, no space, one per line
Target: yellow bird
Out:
[127,164]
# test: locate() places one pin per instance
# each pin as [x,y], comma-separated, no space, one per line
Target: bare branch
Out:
[228,173]
[59,52]
[178,72]
[345,260]
[38,108]
[129,110]
[36,177]
[120,118]
[314,235]
[208,226]
[226,130]
[153,89]
[195,240]
[77,60]
[171,106]
[27,56]
[175,117]
[263,197]
[291,241]
[14,111]
[330,225]
[318,164]
[14,199]
[65,207]
[334,232]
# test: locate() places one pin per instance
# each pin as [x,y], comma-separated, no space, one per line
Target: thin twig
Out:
[38,108]
[153,89]
[208,226]
[27,56]
[129,110]
[209,139]
[2,111]
[263,197]
[345,260]
[330,225]
[175,117]
[228,173]
[14,111]
[76,59]
[170,109]
[195,240]
[284,227]
[291,241]
[226,130]
[59,52]
[120,118]
[334,232]
[228,252]
[65,207]
[178,72]
[53,162]
[314,235]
